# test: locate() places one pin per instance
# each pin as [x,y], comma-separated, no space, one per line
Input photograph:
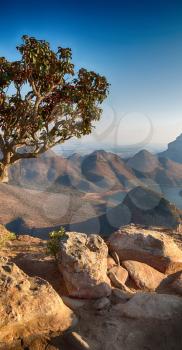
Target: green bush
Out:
[4,238]
[54,240]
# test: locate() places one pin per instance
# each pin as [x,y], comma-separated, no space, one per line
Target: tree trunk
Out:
[4,173]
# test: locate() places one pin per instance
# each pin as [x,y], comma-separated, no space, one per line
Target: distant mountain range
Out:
[140,206]
[159,168]
[101,171]
[96,172]
[102,180]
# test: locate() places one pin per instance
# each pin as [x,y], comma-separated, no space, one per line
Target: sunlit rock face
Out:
[28,306]
[83,263]
[151,247]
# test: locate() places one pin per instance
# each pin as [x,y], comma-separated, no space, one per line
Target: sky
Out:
[137,45]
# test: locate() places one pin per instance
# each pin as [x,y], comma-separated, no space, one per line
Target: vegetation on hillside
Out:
[5,236]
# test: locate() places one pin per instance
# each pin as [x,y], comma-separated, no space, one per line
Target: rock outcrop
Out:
[144,276]
[153,306]
[82,261]
[125,320]
[148,246]
[28,306]
[110,262]
[120,273]
[176,285]
[144,321]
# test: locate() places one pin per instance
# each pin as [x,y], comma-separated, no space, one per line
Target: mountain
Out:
[170,173]
[143,162]
[71,176]
[107,170]
[140,206]
[43,171]
[97,172]
[149,208]
[174,150]
[163,171]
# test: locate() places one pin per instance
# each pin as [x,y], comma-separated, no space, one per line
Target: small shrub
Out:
[53,242]
[4,238]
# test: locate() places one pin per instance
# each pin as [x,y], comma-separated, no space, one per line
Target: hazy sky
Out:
[137,45]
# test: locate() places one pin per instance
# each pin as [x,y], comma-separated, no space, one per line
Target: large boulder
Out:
[176,285]
[156,249]
[151,323]
[119,272]
[82,261]
[153,306]
[110,262]
[28,306]
[144,276]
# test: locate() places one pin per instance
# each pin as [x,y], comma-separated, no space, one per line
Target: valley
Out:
[87,192]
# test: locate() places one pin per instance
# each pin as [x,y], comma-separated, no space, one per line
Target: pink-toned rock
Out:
[82,261]
[110,262]
[148,246]
[152,306]
[120,273]
[29,306]
[144,276]
[176,285]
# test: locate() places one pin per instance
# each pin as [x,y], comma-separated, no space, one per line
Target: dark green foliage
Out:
[54,241]
[59,103]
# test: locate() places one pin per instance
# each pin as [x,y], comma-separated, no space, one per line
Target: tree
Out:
[50,102]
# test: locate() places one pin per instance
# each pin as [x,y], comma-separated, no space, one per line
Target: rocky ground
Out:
[141,307]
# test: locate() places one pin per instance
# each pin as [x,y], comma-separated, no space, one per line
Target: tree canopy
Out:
[50,102]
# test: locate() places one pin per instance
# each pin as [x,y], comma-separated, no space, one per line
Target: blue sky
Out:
[137,45]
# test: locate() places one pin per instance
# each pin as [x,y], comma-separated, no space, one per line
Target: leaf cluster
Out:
[59,102]
[54,242]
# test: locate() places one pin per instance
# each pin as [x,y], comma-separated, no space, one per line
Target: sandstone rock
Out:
[117,283]
[120,296]
[148,246]
[82,261]
[110,262]
[176,285]
[120,273]
[29,239]
[101,303]
[73,303]
[28,306]
[144,276]
[112,330]
[153,306]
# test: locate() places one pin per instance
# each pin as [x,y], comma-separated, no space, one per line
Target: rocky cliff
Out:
[141,309]
[174,150]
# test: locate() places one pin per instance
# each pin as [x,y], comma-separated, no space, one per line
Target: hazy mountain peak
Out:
[179,138]
[144,152]
[99,152]
[174,150]
[143,161]
[151,208]
[75,157]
